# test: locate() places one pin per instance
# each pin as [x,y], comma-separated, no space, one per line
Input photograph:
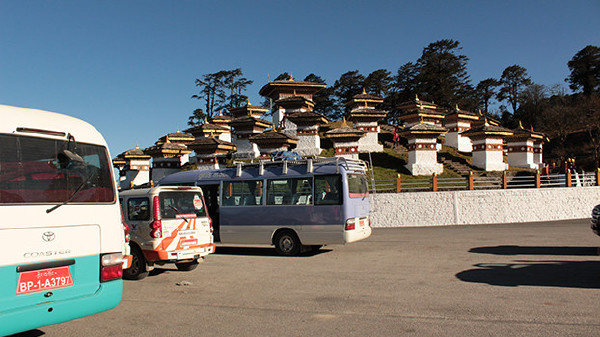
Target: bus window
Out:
[293,191]
[37,170]
[138,209]
[357,185]
[328,190]
[242,193]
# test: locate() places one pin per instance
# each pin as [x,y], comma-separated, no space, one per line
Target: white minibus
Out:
[61,236]
[167,225]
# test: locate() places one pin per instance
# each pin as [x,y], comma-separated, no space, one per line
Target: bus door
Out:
[211,197]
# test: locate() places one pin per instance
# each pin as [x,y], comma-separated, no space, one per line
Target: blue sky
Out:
[128,67]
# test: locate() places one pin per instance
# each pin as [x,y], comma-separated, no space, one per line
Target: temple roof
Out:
[522,132]
[273,88]
[176,137]
[417,104]
[207,128]
[293,99]
[424,128]
[459,111]
[274,135]
[488,129]
[221,119]
[210,143]
[344,131]
[367,113]
[244,120]
[135,153]
[307,117]
[248,109]
[167,148]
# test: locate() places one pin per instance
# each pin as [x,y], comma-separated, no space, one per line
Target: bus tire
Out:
[186,266]
[287,243]
[138,269]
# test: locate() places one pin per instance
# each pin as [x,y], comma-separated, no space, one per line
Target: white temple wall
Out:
[226,136]
[455,140]
[245,149]
[423,162]
[520,154]
[538,154]
[369,143]
[491,159]
[137,177]
[308,145]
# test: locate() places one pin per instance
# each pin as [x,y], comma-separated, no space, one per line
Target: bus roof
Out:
[270,170]
[27,121]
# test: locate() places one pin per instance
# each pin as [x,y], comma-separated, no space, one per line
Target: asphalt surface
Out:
[534,279]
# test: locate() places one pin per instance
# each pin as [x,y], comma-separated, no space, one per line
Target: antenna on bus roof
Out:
[309,165]
[261,168]
[284,170]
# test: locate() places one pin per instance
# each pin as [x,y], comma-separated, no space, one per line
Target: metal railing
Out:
[472,182]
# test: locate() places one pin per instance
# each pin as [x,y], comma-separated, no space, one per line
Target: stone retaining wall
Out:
[482,206]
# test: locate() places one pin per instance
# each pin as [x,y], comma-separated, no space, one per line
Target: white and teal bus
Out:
[61,236]
[294,205]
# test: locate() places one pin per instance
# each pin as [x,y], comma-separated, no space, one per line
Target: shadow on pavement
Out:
[30,333]
[259,251]
[570,274]
[536,250]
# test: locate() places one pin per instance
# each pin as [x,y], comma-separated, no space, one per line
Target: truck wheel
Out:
[138,269]
[186,266]
[287,243]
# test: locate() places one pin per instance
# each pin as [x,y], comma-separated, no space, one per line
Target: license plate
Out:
[44,279]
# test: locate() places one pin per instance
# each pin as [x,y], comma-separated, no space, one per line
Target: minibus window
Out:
[293,191]
[138,209]
[38,170]
[328,190]
[357,185]
[242,193]
[177,205]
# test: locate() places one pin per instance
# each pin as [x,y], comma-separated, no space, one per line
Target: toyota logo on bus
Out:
[48,236]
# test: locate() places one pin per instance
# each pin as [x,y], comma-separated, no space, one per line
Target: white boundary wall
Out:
[482,206]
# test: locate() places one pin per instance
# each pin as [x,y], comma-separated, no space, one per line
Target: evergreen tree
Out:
[378,83]
[512,82]
[585,71]
[442,75]
[485,91]
[350,83]
[323,99]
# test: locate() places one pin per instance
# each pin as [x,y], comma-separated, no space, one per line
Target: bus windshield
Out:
[39,170]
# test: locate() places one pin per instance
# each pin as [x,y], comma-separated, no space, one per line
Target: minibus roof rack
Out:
[348,164]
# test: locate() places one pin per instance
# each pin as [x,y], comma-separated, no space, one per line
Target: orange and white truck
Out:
[167,224]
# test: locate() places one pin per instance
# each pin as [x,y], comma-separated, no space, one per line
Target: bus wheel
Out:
[138,269]
[287,243]
[186,266]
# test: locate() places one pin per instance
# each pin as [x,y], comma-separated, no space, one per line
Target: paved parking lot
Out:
[537,279]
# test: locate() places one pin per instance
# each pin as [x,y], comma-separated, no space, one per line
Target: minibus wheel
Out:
[138,269]
[186,266]
[287,243]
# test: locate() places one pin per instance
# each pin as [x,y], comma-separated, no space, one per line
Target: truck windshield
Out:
[177,205]
[39,170]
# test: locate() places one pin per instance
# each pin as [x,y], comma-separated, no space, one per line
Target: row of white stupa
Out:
[242,135]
